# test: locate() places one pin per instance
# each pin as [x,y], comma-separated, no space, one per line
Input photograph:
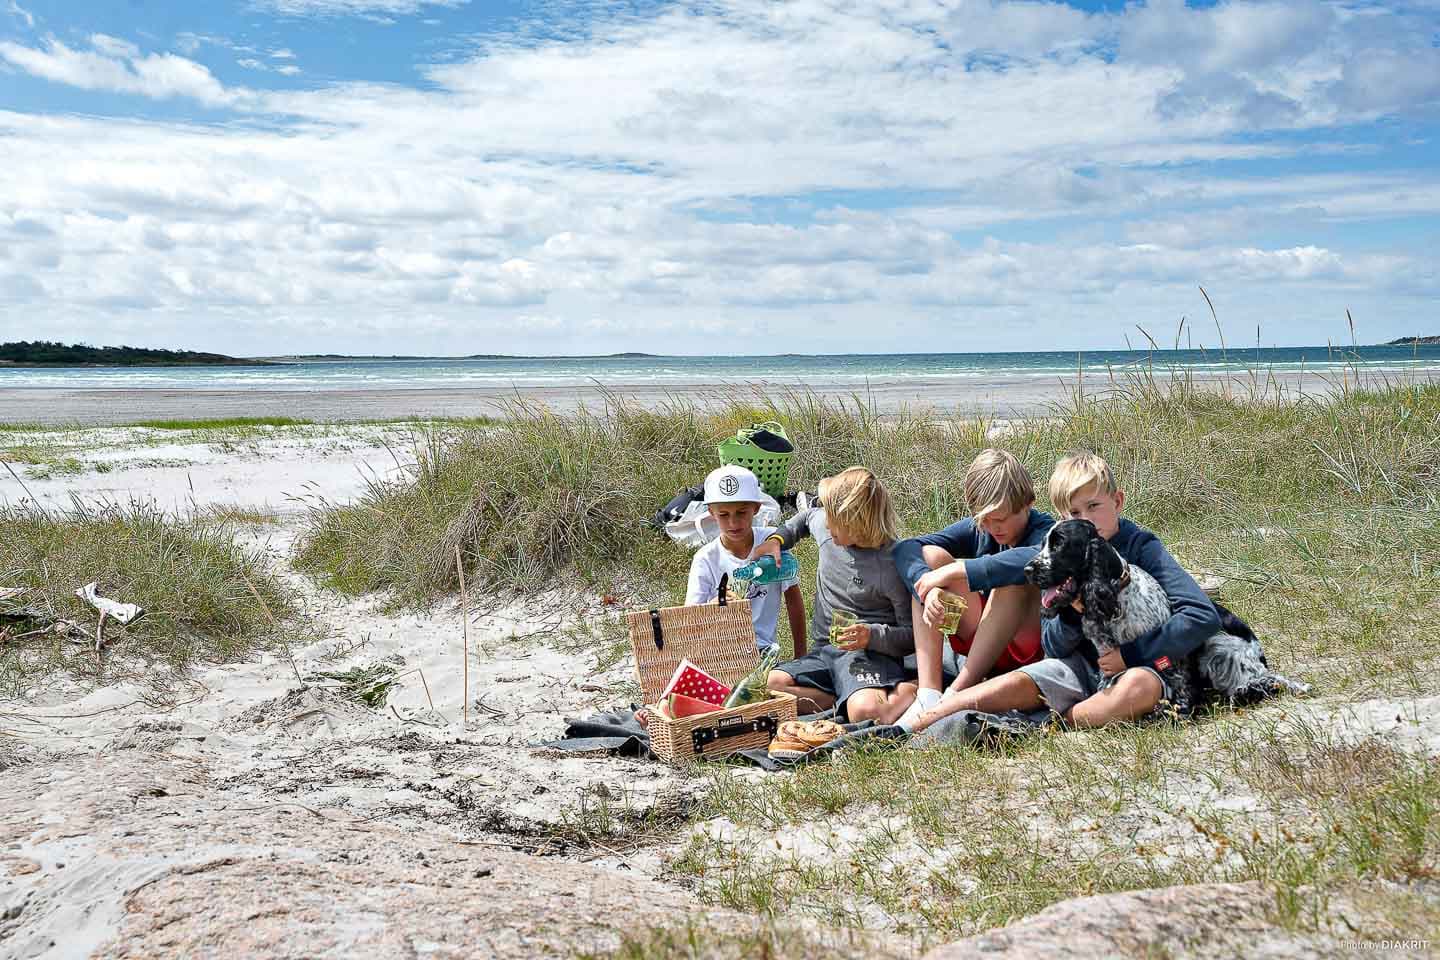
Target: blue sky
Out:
[732,176]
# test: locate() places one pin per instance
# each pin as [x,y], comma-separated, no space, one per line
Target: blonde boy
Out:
[732,495]
[861,673]
[983,560]
[1126,684]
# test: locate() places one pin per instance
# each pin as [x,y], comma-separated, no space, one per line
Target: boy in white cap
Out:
[732,495]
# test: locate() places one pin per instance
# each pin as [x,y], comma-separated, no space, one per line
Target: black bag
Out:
[771,442]
[676,507]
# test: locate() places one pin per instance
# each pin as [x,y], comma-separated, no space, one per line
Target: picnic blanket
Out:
[618,732]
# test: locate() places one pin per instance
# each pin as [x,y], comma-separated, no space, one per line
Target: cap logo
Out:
[729,486]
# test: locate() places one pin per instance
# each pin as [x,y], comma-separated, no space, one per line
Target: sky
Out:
[716,177]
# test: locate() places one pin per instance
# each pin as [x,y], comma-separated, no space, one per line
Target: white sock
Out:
[952,692]
[925,699]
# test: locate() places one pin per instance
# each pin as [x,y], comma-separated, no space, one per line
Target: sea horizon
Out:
[345,373]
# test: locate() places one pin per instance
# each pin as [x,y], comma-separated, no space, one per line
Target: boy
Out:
[1085,689]
[732,495]
[861,673]
[983,561]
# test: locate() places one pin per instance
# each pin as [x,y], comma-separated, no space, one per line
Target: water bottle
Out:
[764,570]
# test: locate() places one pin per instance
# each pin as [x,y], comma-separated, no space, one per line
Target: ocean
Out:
[839,370]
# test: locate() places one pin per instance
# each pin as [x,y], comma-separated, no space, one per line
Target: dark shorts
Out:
[840,672]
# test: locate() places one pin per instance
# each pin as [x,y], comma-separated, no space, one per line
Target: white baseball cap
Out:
[731,484]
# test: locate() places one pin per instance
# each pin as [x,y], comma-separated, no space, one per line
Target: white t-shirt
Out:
[713,561]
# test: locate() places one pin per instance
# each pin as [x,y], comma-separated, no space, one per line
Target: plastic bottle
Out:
[764,570]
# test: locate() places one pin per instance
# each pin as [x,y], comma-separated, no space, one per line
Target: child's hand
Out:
[934,609]
[769,547]
[934,578]
[1111,663]
[856,637]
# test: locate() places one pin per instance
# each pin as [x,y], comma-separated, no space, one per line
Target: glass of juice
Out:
[840,621]
[954,606]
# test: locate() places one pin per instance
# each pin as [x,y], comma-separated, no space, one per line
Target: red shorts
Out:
[1025,648]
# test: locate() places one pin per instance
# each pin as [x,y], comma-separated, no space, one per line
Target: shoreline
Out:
[994,396]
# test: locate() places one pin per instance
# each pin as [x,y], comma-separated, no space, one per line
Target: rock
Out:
[1202,922]
[160,863]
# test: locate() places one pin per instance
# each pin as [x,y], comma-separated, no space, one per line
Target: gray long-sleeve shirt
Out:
[860,580]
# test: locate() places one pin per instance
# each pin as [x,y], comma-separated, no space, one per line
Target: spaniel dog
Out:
[1122,603]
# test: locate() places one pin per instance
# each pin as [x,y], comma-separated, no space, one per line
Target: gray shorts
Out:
[1066,681]
[841,673]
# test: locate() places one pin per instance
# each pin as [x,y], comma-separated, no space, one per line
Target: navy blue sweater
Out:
[1193,618]
[988,564]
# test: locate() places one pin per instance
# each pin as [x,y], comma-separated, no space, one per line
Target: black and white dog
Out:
[1123,602]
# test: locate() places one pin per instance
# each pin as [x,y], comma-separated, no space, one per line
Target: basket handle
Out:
[658,632]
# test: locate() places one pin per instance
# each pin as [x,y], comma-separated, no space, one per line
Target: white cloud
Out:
[888,169]
[282,54]
[346,8]
[21,13]
[289,70]
[114,65]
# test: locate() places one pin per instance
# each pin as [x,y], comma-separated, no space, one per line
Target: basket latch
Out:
[702,737]
[655,629]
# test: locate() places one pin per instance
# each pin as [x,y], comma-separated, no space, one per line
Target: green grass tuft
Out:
[222,423]
[188,574]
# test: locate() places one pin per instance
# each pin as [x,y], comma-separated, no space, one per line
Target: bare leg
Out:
[929,649]
[882,706]
[1135,694]
[1009,691]
[1009,610]
[811,700]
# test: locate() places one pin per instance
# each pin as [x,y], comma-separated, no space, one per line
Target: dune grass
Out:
[221,423]
[206,600]
[1321,513]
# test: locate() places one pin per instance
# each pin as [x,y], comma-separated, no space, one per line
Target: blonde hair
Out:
[1076,472]
[997,479]
[858,502]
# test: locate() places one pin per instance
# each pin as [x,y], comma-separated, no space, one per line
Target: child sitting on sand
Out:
[1000,629]
[732,495]
[1127,683]
[861,673]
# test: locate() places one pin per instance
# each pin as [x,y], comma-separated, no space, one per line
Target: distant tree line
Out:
[44,352]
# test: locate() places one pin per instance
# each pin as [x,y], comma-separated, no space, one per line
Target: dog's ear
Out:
[1102,586]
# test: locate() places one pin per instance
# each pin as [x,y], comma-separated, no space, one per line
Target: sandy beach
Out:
[146,849]
[982,396]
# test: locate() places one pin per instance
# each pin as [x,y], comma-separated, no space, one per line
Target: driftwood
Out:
[122,613]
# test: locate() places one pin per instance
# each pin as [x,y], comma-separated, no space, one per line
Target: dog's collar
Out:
[1124,578]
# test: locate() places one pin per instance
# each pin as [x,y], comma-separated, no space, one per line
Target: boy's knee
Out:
[779,678]
[864,705]
[1142,680]
[935,557]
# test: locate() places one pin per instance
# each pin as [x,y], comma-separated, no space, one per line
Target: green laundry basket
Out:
[771,469]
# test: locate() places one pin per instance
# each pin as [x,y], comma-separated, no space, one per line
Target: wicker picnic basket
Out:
[719,638]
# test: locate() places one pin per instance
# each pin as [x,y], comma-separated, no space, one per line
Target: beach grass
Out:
[222,423]
[946,842]
[1320,512]
[206,599]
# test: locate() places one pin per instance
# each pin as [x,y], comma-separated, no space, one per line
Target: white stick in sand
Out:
[465,634]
